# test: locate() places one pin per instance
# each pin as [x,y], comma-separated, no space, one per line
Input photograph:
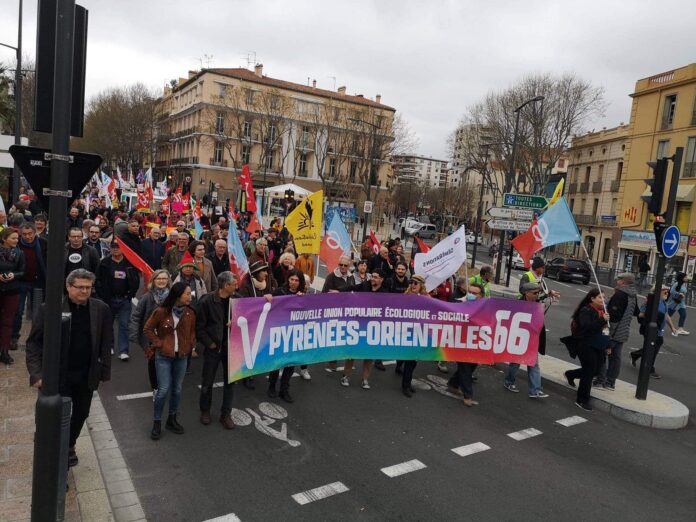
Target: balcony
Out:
[615,185]
[180,161]
[584,219]
[584,187]
[597,187]
[572,188]
[214,163]
[161,163]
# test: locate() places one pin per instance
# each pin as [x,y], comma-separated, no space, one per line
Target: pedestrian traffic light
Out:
[657,185]
[289,196]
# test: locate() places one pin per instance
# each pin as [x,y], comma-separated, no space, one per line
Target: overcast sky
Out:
[429,60]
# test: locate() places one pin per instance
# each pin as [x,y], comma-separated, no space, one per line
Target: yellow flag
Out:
[305,223]
[558,192]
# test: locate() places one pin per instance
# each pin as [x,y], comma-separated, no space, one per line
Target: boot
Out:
[173,425]
[248,383]
[5,357]
[272,393]
[205,417]
[285,395]
[156,432]
[72,457]
[379,365]
[227,421]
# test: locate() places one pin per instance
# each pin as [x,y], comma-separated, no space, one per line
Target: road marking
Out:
[320,493]
[562,284]
[524,434]
[470,449]
[225,518]
[134,396]
[403,468]
[571,421]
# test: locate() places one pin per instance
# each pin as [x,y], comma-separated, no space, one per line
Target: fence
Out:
[607,277]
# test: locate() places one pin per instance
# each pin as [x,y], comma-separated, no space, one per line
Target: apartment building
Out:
[595,170]
[215,121]
[663,117]
[424,170]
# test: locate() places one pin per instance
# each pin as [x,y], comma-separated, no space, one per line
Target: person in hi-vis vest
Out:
[535,275]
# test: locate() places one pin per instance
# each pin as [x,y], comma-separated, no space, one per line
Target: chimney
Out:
[258,70]
[378,98]
[192,74]
[314,84]
[342,89]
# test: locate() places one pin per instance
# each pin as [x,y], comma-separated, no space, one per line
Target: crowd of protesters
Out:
[182,311]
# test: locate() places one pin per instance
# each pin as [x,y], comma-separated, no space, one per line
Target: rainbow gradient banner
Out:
[294,330]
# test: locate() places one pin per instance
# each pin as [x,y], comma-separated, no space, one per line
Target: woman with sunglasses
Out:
[662,319]
[590,326]
[416,287]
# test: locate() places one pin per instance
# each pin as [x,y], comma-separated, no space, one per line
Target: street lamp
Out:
[14,194]
[508,185]
[375,128]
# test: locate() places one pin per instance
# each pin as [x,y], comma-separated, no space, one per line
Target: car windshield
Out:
[575,263]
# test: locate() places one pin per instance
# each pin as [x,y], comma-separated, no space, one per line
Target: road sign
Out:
[504,224]
[367,207]
[670,240]
[524,201]
[36,168]
[511,213]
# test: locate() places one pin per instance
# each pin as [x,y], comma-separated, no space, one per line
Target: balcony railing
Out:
[615,185]
[592,220]
[572,188]
[584,187]
[180,161]
[597,187]
[161,163]
[584,219]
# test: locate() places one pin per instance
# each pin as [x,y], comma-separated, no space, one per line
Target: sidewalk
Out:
[86,499]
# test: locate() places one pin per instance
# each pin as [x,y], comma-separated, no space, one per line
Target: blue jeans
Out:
[27,292]
[533,376]
[170,376]
[681,311]
[121,311]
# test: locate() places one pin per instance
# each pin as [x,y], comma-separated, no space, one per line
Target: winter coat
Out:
[159,330]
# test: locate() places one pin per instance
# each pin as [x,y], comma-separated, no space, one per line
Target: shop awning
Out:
[685,193]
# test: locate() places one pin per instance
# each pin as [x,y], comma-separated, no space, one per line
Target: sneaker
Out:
[379,365]
[675,334]
[680,331]
[597,383]
[470,402]
[72,457]
[454,390]
[511,387]
[571,381]
[655,375]
[442,366]
[124,357]
[365,384]
[584,405]
[305,375]
[345,381]
[538,395]
[609,386]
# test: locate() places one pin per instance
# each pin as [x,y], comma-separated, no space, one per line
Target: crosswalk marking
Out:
[470,449]
[320,493]
[571,421]
[225,518]
[403,468]
[524,434]
[134,396]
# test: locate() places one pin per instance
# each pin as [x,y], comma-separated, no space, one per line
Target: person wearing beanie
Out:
[188,273]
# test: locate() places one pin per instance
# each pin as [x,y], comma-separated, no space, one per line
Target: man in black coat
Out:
[79,255]
[211,331]
[86,361]
[220,257]
[131,236]
[153,248]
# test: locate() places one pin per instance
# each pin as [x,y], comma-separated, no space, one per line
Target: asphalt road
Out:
[599,469]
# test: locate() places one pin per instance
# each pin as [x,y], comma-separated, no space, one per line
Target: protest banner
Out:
[310,329]
[443,260]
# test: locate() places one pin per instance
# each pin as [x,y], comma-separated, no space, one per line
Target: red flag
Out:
[527,244]
[137,261]
[330,252]
[374,244]
[177,204]
[248,187]
[418,247]
[254,224]
[186,202]
[143,204]
[164,206]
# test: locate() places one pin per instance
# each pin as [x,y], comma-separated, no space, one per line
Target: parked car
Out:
[517,262]
[425,230]
[565,269]
[470,238]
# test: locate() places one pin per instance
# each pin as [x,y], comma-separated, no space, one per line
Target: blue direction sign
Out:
[670,241]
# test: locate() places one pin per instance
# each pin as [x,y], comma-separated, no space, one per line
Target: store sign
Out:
[643,239]
[692,241]
[608,219]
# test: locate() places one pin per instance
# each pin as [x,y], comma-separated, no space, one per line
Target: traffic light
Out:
[657,185]
[289,196]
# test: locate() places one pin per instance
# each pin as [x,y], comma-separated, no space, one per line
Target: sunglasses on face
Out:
[342,264]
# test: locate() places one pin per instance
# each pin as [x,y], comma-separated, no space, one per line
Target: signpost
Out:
[504,224]
[367,207]
[524,201]
[669,243]
[511,213]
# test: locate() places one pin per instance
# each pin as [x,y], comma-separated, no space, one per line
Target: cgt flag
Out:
[335,243]
[554,226]
[443,260]
[305,223]
[248,188]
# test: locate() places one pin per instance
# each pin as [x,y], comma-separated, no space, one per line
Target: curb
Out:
[657,411]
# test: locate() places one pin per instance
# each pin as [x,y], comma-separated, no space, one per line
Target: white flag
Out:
[441,261]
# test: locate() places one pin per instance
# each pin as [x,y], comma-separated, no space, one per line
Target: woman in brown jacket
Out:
[171,331]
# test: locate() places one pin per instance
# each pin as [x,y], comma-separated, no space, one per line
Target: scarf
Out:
[177,310]
[36,245]
[259,285]
[159,294]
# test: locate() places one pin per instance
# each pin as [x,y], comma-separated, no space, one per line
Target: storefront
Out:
[636,244]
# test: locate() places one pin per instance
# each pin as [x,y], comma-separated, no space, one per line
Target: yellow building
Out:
[215,121]
[663,117]
[595,172]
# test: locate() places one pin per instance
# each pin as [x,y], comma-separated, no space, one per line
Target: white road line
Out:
[225,518]
[470,449]
[320,493]
[134,396]
[562,284]
[571,421]
[524,434]
[403,468]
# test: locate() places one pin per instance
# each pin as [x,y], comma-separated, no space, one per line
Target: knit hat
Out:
[258,266]
[537,262]
[187,260]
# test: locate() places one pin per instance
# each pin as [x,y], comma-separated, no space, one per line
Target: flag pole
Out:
[589,261]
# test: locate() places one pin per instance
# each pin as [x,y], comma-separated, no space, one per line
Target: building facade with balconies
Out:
[663,117]
[595,170]
[215,121]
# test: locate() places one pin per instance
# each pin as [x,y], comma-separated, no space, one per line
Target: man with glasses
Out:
[94,240]
[153,248]
[87,356]
[339,278]
[78,254]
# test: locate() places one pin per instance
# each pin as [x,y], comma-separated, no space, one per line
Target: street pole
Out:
[50,449]
[370,159]
[646,361]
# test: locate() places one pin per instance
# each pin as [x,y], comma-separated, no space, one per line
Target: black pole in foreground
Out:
[50,455]
[651,314]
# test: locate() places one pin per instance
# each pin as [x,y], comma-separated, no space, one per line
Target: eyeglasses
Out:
[415,282]
[343,264]
[82,288]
